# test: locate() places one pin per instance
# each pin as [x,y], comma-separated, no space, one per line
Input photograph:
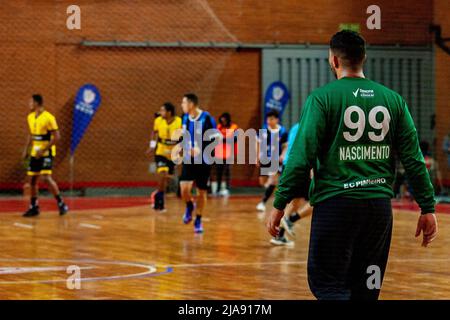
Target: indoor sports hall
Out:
[104,70]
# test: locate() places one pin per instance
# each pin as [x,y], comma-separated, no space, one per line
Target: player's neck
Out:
[38,111]
[169,120]
[194,113]
[351,74]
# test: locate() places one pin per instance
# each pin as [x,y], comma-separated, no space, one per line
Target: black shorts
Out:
[199,173]
[349,238]
[41,165]
[164,165]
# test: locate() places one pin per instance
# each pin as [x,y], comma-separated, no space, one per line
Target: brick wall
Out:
[442,83]
[40,55]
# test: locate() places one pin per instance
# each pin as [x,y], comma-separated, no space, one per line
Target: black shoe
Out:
[32,212]
[63,208]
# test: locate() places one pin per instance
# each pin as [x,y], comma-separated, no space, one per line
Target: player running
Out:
[350,129]
[198,133]
[270,155]
[298,208]
[165,129]
[41,148]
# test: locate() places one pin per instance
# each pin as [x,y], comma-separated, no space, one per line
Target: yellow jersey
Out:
[165,135]
[41,128]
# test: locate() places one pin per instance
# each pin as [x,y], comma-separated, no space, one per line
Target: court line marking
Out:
[23,225]
[268,263]
[151,269]
[150,272]
[89,226]
[20,270]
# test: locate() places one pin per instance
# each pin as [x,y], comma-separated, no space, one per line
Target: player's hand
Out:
[149,151]
[195,151]
[273,223]
[39,153]
[427,225]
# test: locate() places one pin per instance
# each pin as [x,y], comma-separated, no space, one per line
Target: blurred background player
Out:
[277,131]
[41,147]
[446,149]
[196,165]
[299,207]
[224,151]
[432,167]
[165,128]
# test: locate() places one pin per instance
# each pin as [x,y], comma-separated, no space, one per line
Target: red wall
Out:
[39,54]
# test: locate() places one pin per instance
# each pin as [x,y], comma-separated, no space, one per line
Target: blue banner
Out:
[87,101]
[276,98]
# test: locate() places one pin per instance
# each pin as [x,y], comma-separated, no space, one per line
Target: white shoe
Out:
[224,193]
[261,206]
[288,226]
[282,242]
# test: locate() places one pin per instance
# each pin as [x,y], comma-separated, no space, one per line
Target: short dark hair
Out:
[192,97]
[273,113]
[227,118]
[38,99]
[169,108]
[350,46]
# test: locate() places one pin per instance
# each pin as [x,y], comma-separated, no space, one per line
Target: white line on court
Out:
[97,216]
[90,226]
[300,262]
[23,225]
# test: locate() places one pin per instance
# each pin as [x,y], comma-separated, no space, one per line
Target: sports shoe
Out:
[261,206]
[188,215]
[281,241]
[32,212]
[288,225]
[198,226]
[63,208]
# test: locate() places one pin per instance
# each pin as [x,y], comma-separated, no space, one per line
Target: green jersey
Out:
[350,133]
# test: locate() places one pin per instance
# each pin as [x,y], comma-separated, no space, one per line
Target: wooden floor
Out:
[134,253]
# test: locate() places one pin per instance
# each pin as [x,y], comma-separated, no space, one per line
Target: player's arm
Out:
[304,152]
[55,136]
[303,155]
[412,159]
[53,129]
[418,177]
[26,150]
[153,142]
[213,135]
[284,147]
[153,137]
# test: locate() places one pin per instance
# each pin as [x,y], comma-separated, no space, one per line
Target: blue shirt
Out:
[268,135]
[196,128]
[291,138]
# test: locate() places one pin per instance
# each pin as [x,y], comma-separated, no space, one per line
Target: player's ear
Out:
[336,62]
